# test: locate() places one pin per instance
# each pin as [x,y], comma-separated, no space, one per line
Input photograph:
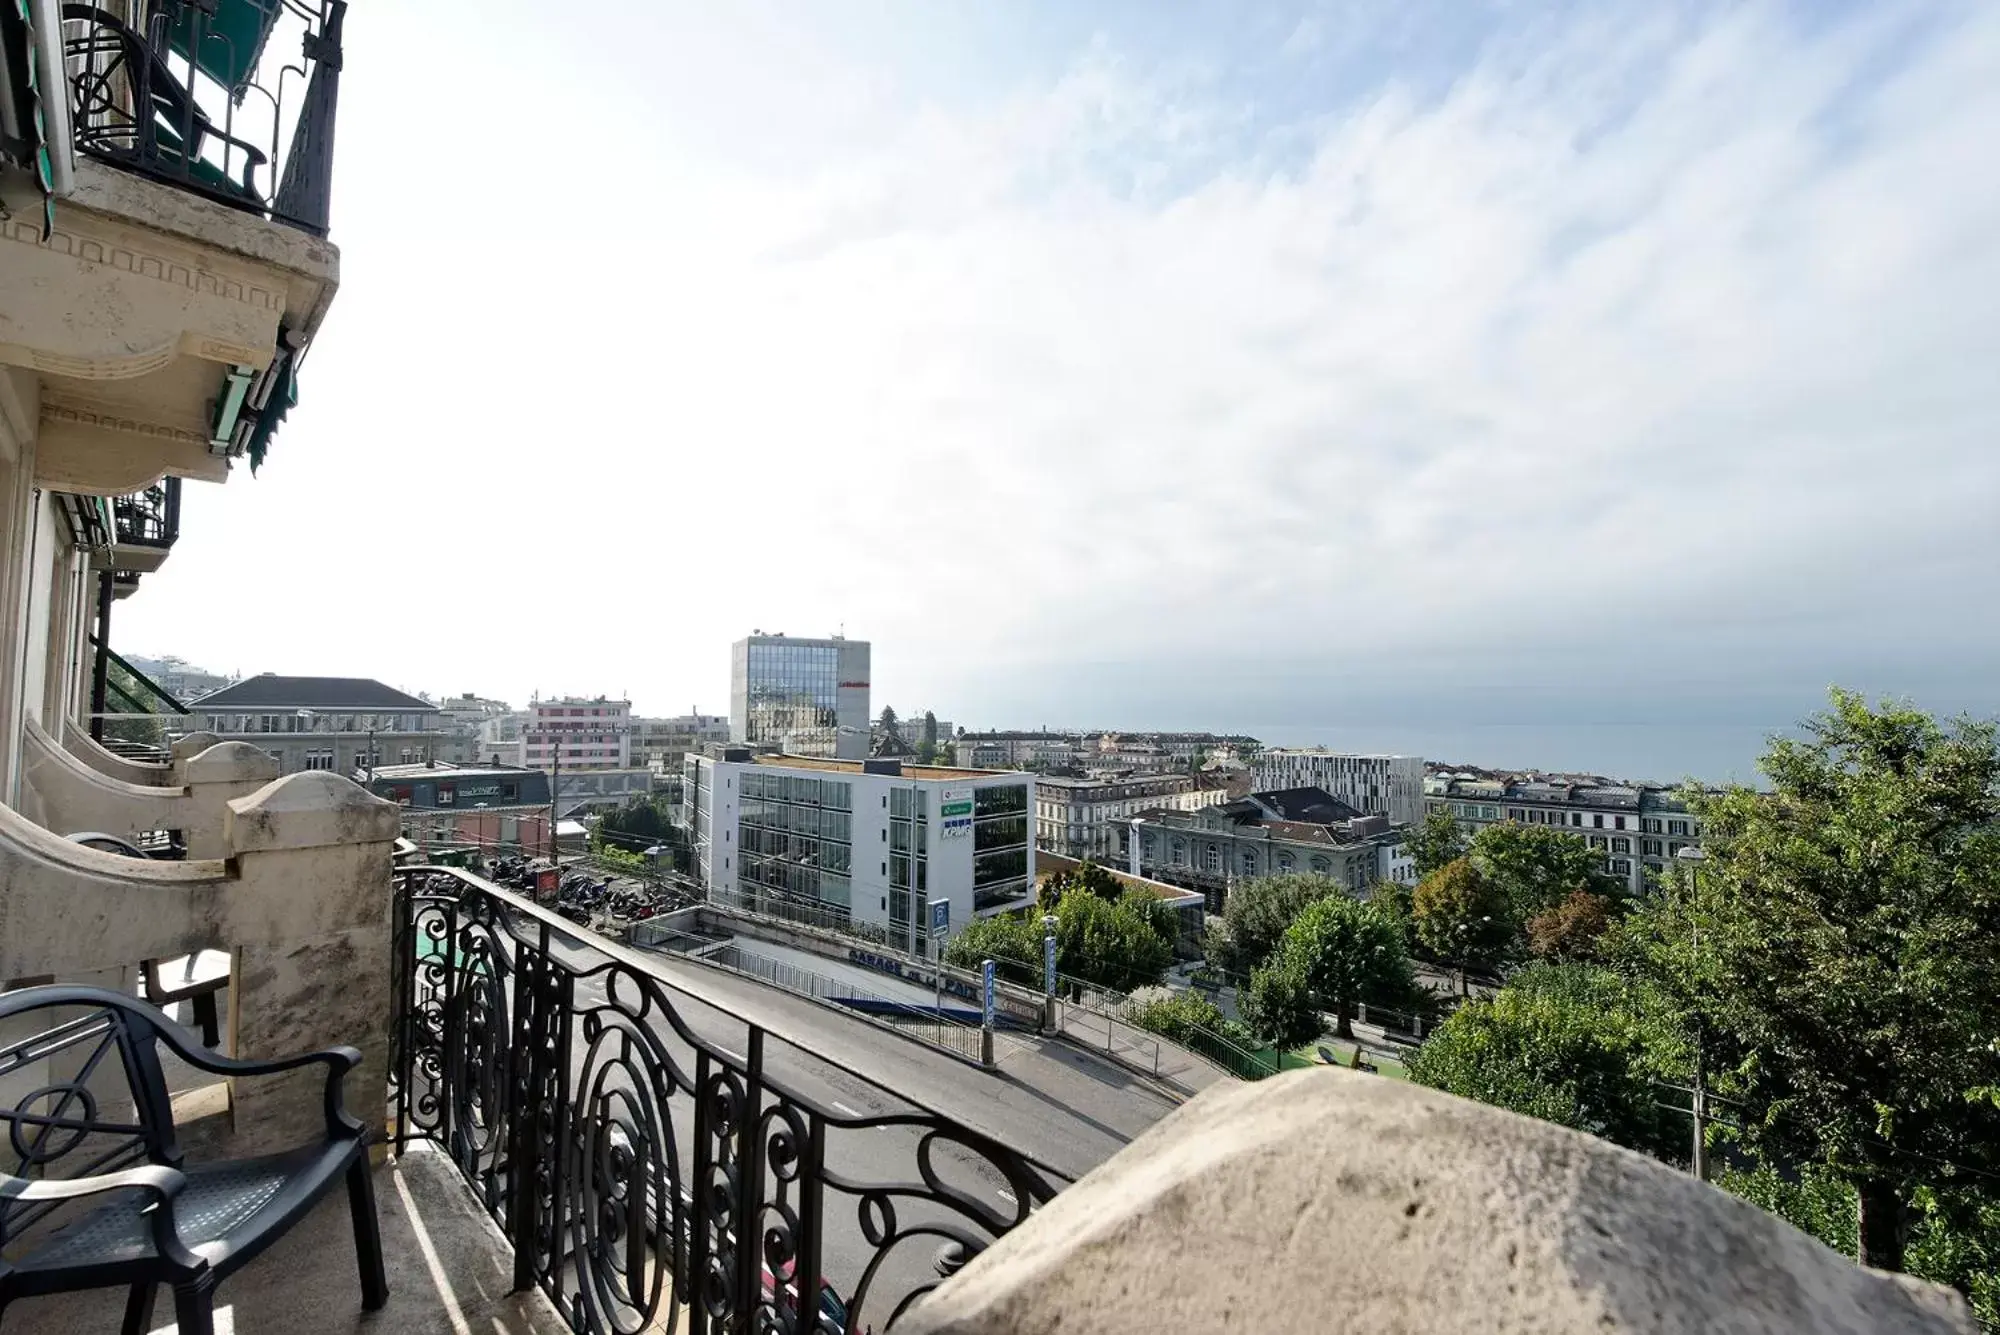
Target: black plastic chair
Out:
[188,1227]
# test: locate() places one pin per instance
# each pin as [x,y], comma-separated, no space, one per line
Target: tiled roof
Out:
[270,691]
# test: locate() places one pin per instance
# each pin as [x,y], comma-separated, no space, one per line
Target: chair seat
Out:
[216,1213]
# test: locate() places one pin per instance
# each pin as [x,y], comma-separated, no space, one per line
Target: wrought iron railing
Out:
[194,95]
[149,518]
[648,1169]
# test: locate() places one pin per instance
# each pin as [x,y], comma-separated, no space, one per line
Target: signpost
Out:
[986,971]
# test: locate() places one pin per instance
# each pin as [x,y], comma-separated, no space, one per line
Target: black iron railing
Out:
[196,95]
[648,1168]
[149,518]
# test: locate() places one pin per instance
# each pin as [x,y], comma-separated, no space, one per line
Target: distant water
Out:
[1664,753]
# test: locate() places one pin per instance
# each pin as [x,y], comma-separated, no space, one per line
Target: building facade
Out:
[344,724]
[576,734]
[1263,834]
[1638,828]
[660,744]
[1081,818]
[803,697]
[1391,786]
[496,808]
[871,843]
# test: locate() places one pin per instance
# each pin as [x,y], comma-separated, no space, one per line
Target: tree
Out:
[1256,914]
[1278,1006]
[889,724]
[1554,1052]
[1108,944]
[1462,916]
[1179,1016]
[1088,877]
[1536,867]
[928,736]
[1570,931]
[1348,951]
[1434,842]
[1837,950]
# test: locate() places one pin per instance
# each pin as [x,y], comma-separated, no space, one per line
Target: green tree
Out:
[1554,1052]
[1434,842]
[1463,917]
[1838,949]
[891,726]
[1256,914]
[1348,951]
[1109,944]
[1013,944]
[1536,867]
[1278,1006]
[1179,1016]
[1088,877]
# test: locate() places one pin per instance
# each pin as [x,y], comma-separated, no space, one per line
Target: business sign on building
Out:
[955,813]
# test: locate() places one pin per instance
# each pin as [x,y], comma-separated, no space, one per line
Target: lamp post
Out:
[1693,857]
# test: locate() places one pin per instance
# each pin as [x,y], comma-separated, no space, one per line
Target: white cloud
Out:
[1637,328]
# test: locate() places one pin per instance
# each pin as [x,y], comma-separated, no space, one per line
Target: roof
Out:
[270,691]
[922,773]
[1313,806]
[444,769]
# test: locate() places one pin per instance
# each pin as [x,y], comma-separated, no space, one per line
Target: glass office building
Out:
[805,697]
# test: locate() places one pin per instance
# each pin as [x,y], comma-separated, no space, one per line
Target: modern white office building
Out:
[867,843]
[1391,786]
[805,697]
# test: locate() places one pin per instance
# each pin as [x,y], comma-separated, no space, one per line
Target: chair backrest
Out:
[81,1090]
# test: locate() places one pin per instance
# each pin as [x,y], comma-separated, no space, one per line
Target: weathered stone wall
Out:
[1331,1201]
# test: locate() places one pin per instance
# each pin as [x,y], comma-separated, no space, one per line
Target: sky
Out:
[1389,374]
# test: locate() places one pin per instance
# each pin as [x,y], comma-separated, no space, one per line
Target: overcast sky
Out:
[1286,367]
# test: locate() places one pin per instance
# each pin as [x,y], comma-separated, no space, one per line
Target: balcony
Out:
[172,267]
[144,528]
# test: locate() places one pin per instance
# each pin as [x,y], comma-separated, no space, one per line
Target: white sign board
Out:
[955,813]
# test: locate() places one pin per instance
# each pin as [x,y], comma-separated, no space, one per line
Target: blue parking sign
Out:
[940,916]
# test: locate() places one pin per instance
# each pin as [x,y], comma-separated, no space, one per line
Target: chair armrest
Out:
[159,1183]
[155,1180]
[338,1060]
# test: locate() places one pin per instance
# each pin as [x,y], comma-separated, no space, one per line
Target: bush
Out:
[1173,1015]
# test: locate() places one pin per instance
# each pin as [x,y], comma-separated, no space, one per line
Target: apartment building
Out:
[659,744]
[574,733]
[1265,833]
[800,697]
[873,843]
[1637,827]
[1391,786]
[1080,818]
[345,724]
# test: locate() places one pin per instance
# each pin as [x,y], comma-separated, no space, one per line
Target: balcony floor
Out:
[449,1271]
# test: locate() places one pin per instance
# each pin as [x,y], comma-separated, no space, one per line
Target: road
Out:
[1067,1110]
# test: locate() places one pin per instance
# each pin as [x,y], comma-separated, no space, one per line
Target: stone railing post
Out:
[216,776]
[314,848]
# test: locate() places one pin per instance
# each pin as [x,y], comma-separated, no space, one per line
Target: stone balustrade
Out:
[299,892]
[63,792]
[1330,1200]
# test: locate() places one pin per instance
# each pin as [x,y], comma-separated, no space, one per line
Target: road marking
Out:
[1006,1195]
[844,1110]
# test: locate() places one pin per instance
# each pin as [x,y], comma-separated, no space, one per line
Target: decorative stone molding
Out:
[65,794]
[1330,1200]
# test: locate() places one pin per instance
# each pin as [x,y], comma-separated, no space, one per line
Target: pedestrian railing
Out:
[646,1174]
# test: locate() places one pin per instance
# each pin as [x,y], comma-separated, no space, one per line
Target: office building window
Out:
[319,760]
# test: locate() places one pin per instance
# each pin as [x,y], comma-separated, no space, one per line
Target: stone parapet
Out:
[1329,1200]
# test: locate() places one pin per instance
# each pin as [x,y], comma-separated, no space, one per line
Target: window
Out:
[1621,866]
[1621,845]
[1650,847]
[319,760]
[1597,841]
[1618,822]
[1211,859]
[1597,822]
[1679,827]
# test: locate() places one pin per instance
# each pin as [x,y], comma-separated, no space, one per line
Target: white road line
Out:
[844,1110]
[1005,1195]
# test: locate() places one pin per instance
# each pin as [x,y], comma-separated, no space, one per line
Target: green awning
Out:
[232,39]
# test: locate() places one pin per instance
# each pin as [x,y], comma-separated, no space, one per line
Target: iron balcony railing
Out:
[196,93]
[149,518]
[655,1159]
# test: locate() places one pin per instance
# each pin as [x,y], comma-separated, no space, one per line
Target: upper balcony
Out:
[165,171]
[144,528]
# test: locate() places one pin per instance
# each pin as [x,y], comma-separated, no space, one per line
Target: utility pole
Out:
[555,791]
[1694,857]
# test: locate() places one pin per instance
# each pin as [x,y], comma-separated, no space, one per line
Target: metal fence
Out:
[645,1174]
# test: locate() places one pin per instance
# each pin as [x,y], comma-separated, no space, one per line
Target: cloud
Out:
[1640,353]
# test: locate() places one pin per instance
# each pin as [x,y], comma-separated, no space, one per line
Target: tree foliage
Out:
[1563,1050]
[1348,951]
[1278,1006]
[1838,951]
[640,824]
[1462,916]
[1537,867]
[1434,842]
[1183,1016]
[1087,877]
[1572,930]
[1112,945]
[1256,914]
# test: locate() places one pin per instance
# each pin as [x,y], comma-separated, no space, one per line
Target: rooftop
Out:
[269,691]
[921,773]
[446,769]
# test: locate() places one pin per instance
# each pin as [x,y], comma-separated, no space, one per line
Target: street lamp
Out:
[1692,857]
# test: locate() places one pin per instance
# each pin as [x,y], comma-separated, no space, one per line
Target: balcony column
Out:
[318,846]
[100,671]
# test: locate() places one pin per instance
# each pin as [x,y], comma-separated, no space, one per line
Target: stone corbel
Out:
[76,739]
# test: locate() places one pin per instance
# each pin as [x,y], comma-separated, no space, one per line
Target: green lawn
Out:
[1344,1051]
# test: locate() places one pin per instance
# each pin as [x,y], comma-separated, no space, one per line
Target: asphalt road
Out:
[1065,1109]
